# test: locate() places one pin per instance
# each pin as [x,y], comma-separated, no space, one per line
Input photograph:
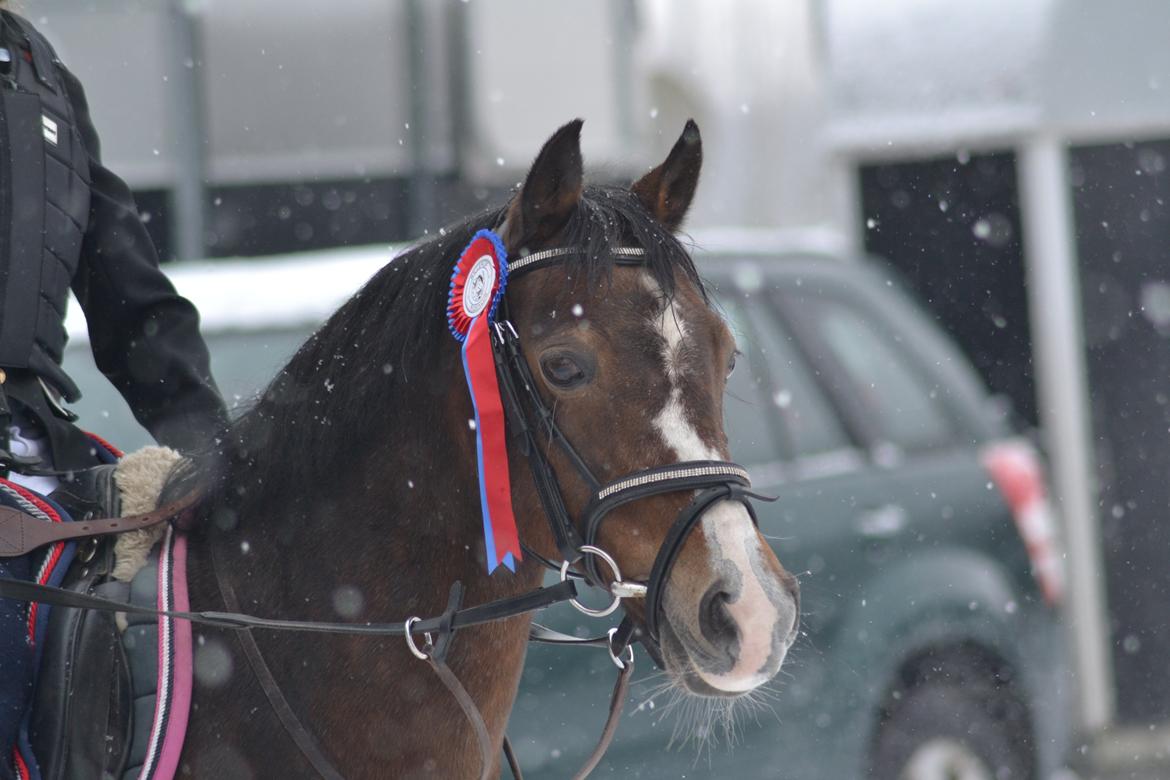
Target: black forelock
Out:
[610,216]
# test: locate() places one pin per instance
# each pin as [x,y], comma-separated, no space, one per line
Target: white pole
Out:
[1054,302]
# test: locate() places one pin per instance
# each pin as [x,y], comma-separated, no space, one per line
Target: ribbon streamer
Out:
[477,286]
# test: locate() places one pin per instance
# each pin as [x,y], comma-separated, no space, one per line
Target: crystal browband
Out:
[520,263]
[670,474]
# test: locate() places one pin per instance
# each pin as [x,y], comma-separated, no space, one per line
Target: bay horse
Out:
[349,489]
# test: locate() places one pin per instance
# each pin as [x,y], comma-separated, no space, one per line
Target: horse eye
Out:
[562,371]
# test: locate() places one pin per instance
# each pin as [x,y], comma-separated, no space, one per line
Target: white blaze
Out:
[726,526]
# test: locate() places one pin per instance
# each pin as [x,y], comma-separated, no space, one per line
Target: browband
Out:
[625,255]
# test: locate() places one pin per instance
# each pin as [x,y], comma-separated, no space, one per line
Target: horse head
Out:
[633,362]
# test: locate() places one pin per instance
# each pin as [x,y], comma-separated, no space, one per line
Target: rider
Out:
[67,221]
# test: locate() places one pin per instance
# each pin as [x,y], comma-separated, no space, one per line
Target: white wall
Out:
[534,65]
[118,48]
[751,74]
[304,88]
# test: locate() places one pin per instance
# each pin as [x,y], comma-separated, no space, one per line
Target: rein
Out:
[528,418]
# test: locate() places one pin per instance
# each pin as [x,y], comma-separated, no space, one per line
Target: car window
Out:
[810,425]
[745,409]
[892,394]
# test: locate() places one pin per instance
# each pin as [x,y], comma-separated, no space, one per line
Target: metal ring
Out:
[419,654]
[617,573]
[618,662]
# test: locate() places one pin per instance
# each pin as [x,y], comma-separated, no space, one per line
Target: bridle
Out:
[529,417]
[530,421]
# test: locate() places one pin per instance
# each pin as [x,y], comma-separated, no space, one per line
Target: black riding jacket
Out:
[67,221]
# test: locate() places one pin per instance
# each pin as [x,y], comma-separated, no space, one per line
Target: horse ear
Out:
[667,190]
[550,193]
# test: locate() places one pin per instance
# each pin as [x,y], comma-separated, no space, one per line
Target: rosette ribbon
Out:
[477,286]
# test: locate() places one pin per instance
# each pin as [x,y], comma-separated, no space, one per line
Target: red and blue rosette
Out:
[477,286]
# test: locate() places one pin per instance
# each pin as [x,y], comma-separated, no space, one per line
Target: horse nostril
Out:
[715,620]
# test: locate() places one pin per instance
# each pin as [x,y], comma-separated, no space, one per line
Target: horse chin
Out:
[692,669]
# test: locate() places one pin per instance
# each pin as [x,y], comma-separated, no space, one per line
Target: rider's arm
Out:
[144,335]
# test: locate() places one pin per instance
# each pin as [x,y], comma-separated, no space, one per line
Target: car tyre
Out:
[943,731]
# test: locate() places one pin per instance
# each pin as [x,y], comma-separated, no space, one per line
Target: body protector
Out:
[67,221]
[44,203]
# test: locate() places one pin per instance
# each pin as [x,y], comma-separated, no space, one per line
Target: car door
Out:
[915,486]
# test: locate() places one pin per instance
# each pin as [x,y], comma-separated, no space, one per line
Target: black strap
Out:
[617,646]
[436,657]
[672,545]
[621,687]
[284,712]
[627,260]
[548,636]
[545,417]
[686,475]
[531,601]
[548,490]
[513,764]
[443,625]
[519,394]
[448,678]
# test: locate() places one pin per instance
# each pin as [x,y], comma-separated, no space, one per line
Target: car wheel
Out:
[941,731]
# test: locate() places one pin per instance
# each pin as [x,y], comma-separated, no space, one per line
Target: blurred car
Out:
[931,644]
[930,576]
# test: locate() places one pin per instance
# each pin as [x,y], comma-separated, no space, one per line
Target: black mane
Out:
[344,391]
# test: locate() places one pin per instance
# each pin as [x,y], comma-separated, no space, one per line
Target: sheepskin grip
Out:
[141,476]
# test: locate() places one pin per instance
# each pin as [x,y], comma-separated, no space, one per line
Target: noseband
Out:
[576,541]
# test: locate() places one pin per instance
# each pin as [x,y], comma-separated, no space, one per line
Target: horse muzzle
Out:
[737,636]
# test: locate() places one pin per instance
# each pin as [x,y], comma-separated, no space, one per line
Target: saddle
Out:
[112,690]
[83,707]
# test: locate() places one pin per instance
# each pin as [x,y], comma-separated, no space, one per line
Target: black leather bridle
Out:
[529,417]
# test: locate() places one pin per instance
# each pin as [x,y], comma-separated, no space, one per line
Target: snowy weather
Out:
[649,389]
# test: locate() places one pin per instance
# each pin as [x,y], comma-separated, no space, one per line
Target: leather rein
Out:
[530,421]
